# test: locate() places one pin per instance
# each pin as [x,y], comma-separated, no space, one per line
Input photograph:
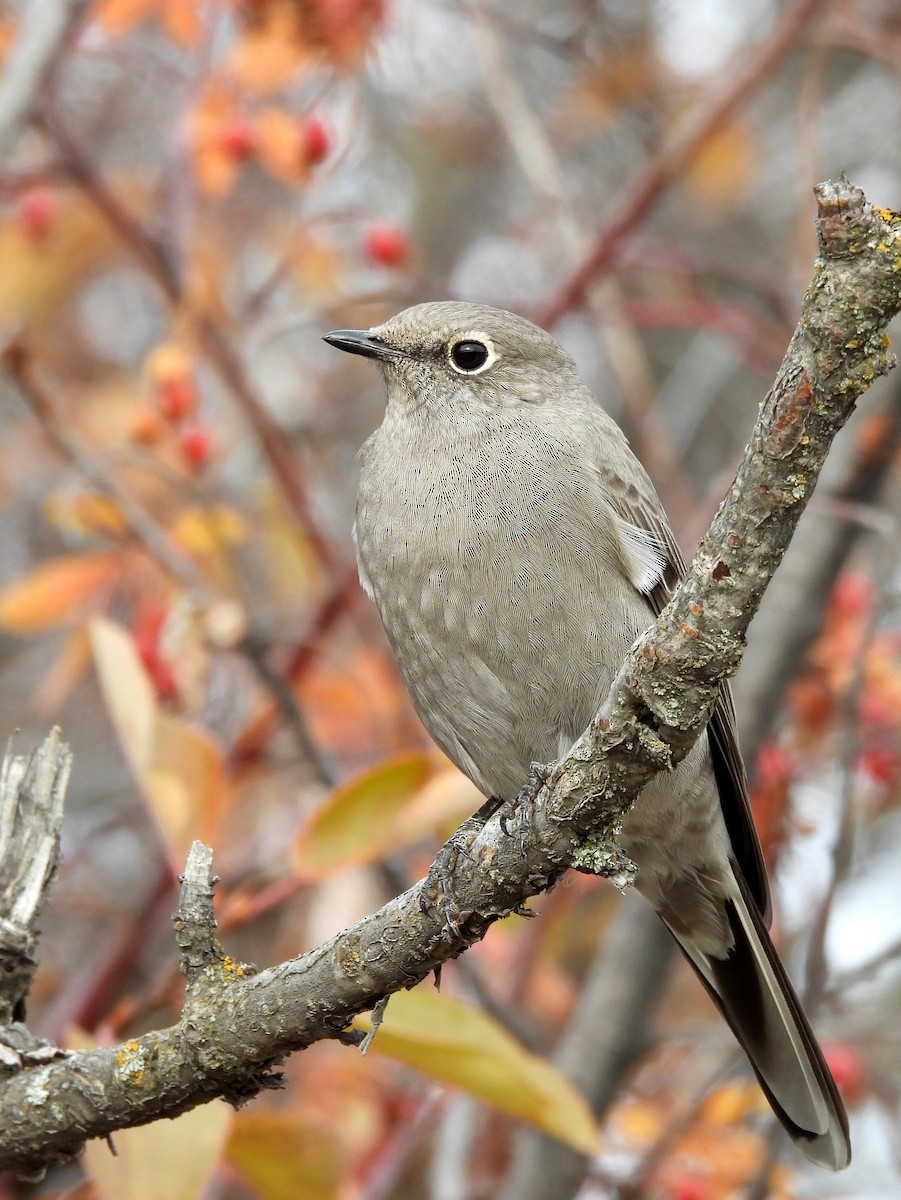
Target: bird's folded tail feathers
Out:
[753,992]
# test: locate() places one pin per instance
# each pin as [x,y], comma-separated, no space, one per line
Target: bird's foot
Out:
[522,807]
[439,884]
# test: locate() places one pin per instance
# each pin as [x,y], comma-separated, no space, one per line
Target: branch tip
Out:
[195,917]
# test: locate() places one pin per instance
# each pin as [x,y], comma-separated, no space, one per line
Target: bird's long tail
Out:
[753,992]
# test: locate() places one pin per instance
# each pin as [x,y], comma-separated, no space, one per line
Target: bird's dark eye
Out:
[469,355]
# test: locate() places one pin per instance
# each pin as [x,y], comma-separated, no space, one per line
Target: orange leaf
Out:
[449,1040]
[67,670]
[179,18]
[271,49]
[58,590]
[118,16]
[182,20]
[279,145]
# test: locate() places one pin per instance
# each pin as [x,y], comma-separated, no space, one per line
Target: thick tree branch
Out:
[231,1037]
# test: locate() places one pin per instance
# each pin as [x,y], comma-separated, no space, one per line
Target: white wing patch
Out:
[643,555]
[365,581]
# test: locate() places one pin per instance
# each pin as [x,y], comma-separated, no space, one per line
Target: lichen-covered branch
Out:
[238,1025]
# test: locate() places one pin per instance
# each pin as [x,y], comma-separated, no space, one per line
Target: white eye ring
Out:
[474,341]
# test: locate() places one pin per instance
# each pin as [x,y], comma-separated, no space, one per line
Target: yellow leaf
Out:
[39,277]
[85,514]
[127,692]
[639,1121]
[57,590]
[286,1156]
[179,769]
[358,822]
[439,806]
[206,532]
[186,783]
[171,1159]
[720,173]
[459,1045]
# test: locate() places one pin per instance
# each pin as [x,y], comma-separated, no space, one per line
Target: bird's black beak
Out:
[358,341]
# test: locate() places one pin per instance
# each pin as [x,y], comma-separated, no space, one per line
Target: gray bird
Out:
[516,548]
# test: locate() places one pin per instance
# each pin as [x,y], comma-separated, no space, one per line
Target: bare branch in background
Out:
[45,28]
[637,201]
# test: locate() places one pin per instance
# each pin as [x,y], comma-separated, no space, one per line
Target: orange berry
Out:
[147,426]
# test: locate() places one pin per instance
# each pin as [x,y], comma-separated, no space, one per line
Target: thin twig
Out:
[217,346]
[18,364]
[46,26]
[843,846]
[624,350]
[713,113]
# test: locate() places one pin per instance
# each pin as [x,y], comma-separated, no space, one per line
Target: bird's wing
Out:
[637,508]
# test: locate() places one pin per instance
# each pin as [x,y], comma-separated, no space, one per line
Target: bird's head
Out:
[466,355]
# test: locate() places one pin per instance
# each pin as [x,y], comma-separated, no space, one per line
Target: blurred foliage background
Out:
[199,191]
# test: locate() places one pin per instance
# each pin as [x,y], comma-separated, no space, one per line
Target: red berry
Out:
[39,211]
[316,140]
[176,397]
[847,1069]
[689,1187]
[773,765]
[197,446]
[387,245]
[236,138]
[852,595]
[147,634]
[880,763]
